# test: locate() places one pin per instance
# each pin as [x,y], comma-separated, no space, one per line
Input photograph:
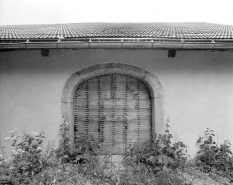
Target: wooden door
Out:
[115,109]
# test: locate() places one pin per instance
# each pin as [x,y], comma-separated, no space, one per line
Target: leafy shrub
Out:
[157,161]
[158,154]
[50,154]
[65,145]
[67,163]
[84,154]
[79,161]
[212,157]
[27,159]
[84,150]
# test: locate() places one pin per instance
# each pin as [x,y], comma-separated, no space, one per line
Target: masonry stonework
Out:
[108,68]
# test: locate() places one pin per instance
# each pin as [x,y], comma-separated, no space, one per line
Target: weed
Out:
[27,160]
[214,158]
[158,154]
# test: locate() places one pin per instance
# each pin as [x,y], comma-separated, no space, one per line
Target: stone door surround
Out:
[149,79]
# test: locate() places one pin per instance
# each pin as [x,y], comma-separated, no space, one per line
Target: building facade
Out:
[119,90]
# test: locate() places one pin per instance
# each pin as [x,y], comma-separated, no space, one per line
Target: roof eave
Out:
[118,44]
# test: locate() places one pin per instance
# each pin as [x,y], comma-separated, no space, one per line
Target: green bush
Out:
[158,153]
[27,159]
[214,158]
[81,157]
[29,165]
[84,149]
[157,161]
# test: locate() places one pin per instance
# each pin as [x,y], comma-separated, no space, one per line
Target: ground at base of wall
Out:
[200,178]
[193,177]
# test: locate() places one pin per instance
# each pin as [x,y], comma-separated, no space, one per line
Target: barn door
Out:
[115,109]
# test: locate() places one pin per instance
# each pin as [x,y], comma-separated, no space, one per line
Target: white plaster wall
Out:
[197,85]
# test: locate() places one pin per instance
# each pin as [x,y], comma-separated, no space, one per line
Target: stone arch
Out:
[99,69]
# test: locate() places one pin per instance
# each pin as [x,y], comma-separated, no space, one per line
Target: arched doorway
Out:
[97,71]
[116,109]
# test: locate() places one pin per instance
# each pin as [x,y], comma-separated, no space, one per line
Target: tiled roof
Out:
[119,30]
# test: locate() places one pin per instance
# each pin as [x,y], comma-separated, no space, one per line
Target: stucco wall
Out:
[197,88]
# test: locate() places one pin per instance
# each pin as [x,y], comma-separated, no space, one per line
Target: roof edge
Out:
[168,44]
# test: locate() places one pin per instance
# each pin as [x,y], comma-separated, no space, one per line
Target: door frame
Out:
[155,88]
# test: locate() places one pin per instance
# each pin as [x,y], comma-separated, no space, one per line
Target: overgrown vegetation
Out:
[214,158]
[159,153]
[157,162]
[27,159]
